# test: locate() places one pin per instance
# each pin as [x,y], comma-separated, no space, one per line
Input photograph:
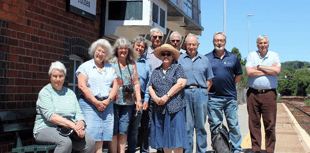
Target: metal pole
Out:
[224,18]
[249,15]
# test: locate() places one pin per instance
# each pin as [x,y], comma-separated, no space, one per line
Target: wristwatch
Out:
[110,99]
[258,66]
[168,95]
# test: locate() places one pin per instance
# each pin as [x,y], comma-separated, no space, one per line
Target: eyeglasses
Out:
[175,40]
[155,37]
[101,51]
[165,54]
[219,40]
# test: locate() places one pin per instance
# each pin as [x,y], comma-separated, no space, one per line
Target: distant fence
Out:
[241,95]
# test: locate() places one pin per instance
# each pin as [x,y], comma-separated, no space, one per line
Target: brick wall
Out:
[34,33]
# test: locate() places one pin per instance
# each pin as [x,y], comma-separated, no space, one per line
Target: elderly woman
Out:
[168,123]
[97,83]
[144,73]
[128,92]
[58,106]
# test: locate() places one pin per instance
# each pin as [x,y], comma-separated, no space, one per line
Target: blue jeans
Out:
[196,114]
[133,131]
[122,115]
[230,108]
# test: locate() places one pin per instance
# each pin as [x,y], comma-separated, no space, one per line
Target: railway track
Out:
[301,112]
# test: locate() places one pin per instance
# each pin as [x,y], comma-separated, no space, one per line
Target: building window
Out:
[75,62]
[125,10]
[162,18]
[188,7]
[155,13]
[175,1]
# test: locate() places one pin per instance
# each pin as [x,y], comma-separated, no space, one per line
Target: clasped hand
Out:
[79,128]
[162,100]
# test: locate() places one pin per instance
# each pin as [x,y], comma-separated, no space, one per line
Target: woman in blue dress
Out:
[168,123]
[97,83]
[128,92]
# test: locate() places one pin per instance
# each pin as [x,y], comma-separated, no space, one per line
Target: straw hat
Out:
[167,47]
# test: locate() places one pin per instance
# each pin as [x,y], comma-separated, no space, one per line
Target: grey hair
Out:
[156,30]
[57,66]
[175,32]
[261,38]
[101,42]
[191,34]
[122,41]
[140,39]
[219,33]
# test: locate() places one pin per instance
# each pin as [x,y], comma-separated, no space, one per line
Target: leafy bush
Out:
[307,102]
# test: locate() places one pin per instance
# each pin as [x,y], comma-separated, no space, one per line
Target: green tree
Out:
[242,62]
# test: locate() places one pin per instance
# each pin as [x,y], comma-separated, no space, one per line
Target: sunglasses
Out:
[175,40]
[165,54]
[155,37]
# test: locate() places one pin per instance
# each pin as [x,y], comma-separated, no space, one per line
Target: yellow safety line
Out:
[302,132]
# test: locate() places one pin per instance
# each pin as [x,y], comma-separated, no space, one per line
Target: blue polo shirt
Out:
[224,71]
[198,71]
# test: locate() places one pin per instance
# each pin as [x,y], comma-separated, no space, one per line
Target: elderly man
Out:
[157,40]
[199,74]
[223,95]
[175,41]
[262,68]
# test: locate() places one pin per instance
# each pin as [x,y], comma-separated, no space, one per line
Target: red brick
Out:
[21,66]
[35,24]
[27,60]
[20,73]
[35,39]
[21,35]
[15,26]
[21,43]
[5,7]
[19,81]
[12,73]
[36,9]
[27,44]
[55,9]
[11,89]
[5,15]
[27,74]
[14,34]
[12,41]
[21,19]
[26,89]
[11,105]
[29,14]
[20,51]
[13,58]
[29,30]
[30,1]
[34,68]
[13,18]
[14,10]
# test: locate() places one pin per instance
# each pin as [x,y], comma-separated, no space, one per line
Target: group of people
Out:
[160,92]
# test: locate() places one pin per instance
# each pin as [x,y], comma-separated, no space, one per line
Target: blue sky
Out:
[286,23]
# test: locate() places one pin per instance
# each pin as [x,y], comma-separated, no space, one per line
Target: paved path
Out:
[290,136]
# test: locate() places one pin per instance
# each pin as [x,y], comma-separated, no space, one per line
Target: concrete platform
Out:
[291,138]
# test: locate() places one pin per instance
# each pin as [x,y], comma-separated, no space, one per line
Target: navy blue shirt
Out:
[162,83]
[198,71]
[224,71]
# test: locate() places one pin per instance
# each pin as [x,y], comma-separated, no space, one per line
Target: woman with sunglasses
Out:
[168,122]
[128,92]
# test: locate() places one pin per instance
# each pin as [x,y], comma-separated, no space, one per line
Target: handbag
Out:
[65,131]
[220,140]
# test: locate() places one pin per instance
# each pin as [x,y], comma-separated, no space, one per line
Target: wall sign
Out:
[85,8]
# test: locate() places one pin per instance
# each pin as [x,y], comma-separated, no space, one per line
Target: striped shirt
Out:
[51,101]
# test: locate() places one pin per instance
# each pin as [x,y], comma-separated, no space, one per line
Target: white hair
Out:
[156,30]
[190,34]
[139,39]
[57,66]
[261,38]
[122,41]
[177,33]
[219,33]
[101,42]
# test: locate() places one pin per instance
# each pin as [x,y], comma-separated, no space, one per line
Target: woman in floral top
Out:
[128,92]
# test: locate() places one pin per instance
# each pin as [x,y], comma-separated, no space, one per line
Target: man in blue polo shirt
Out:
[199,80]
[227,72]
